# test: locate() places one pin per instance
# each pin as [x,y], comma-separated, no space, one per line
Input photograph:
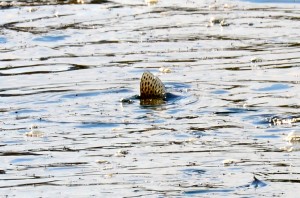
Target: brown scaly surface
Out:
[151,87]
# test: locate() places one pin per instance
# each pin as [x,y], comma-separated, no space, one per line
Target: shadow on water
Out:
[207,191]
[256,183]
[193,172]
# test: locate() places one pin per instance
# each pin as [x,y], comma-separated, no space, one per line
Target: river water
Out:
[233,130]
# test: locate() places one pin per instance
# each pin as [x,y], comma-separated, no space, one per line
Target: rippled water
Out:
[64,67]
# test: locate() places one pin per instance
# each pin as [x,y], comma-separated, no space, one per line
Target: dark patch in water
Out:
[234,111]
[152,102]
[34,93]
[77,95]
[48,183]
[261,119]
[256,183]
[213,127]
[191,151]
[99,1]
[285,180]
[207,191]
[96,93]
[198,134]
[192,171]
[97,125]
[17,153]
[187,117]
[9,4]
[28,111]
[170,98]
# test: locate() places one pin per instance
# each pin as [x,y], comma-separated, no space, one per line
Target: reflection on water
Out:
[71,70]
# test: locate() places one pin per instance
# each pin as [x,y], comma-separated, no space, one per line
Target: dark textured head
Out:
[151,87]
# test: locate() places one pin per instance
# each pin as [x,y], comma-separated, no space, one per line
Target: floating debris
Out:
[117,129]
[213,7]
[282,164]
[280,121]
[223,23]
[56,14]
[107,176]
[5,4]
[293,139]
[151,2]
[121,153]
[32,9]
[179,142]
[80,1]
[126,100]
[215,20]
[228,6]
[35,132]
[293,136]
[291,148]
[102,162]
[165,70]
[229,162]
[209,25]
[256,60]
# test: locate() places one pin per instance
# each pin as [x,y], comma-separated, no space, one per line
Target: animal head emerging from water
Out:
[152,90]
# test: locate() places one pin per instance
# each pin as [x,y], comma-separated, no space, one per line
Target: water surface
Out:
[65,66]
